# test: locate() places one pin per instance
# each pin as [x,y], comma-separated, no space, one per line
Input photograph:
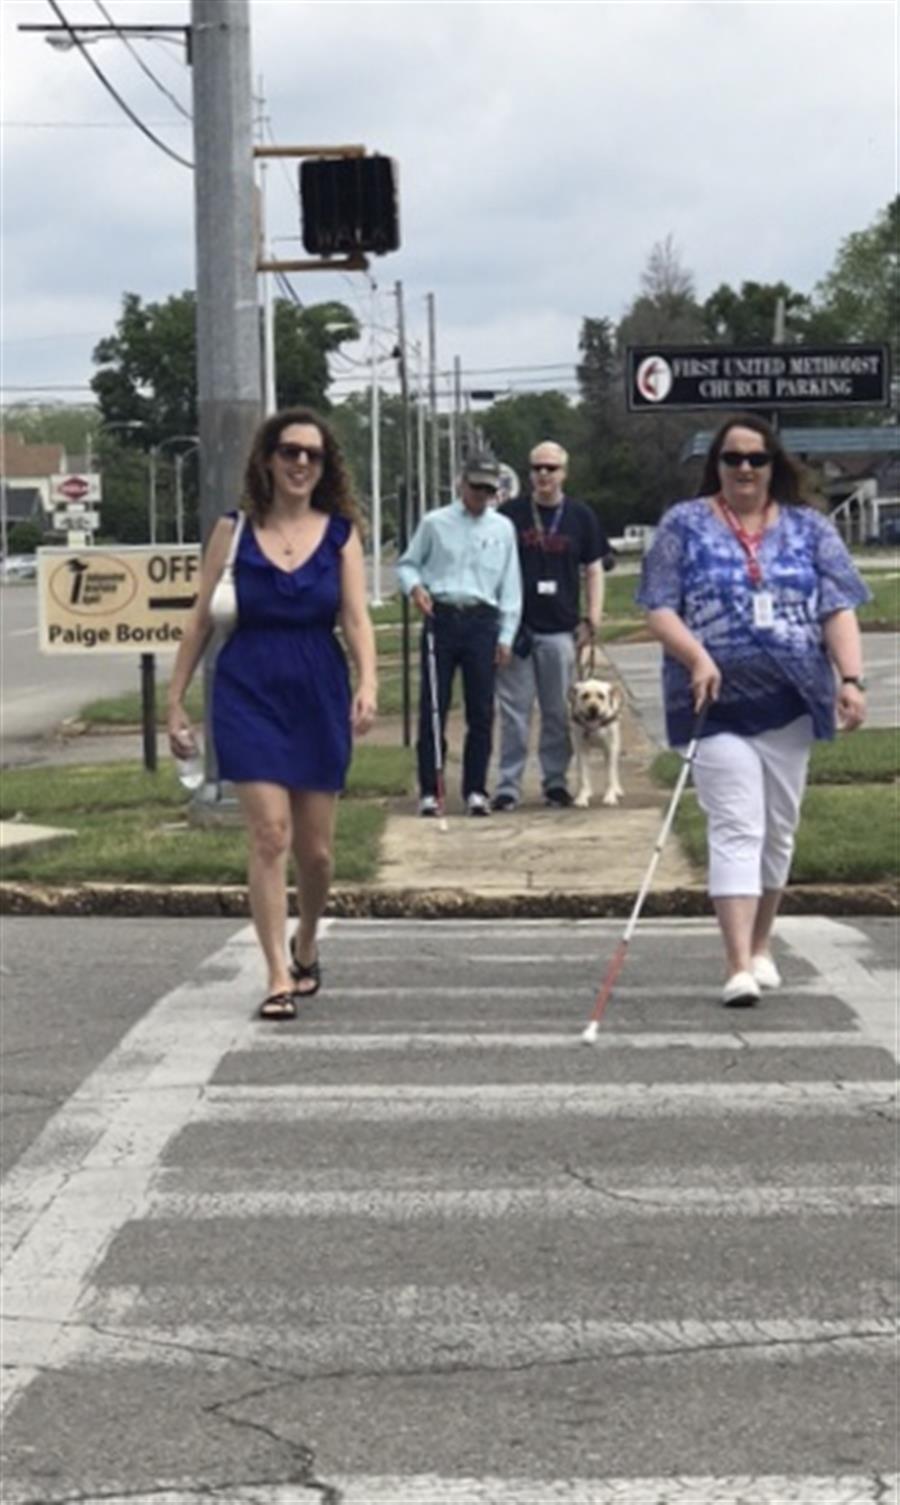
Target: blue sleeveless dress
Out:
[281,691]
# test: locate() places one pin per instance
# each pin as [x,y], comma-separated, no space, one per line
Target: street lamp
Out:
[180,457]
[155,452]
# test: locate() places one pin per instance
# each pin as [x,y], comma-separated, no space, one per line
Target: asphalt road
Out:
[423,1247]
[39,689]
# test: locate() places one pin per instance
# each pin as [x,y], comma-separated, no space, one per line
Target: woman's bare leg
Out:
[314,814]
[767,909]
[267,814]
[737,919]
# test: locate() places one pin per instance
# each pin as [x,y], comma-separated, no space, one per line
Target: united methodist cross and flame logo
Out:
[654,378]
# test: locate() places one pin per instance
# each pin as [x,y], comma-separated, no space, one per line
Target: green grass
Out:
[869,756]
[846,835]
[131,825]
[884,608]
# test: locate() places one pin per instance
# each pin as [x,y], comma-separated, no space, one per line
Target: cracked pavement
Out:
[447,1310]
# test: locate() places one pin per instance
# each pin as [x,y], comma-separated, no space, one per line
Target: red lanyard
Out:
[749,542]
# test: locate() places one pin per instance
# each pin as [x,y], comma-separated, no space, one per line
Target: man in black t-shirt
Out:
[558,539]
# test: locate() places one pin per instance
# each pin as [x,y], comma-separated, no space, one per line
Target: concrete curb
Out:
[133,900]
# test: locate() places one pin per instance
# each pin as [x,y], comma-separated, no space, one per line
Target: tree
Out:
[665,312]
[747,317]
[514,425]
[25,537]
[859,299]
[148,366]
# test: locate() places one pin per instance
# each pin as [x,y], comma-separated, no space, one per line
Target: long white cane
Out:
[436,723]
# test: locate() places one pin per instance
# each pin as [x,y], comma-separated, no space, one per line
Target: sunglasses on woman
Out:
[735,458]
[290,453]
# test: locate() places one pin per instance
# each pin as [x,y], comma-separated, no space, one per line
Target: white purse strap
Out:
[228,571]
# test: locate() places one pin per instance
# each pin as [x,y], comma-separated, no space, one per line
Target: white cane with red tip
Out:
[436,724]
[590,1034]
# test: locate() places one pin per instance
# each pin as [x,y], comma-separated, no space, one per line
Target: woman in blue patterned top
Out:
[752,595]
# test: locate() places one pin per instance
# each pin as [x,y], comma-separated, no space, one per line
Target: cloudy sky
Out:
[543,149]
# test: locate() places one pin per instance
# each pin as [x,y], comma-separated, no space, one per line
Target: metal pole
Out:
[154,456]
[228,366]
[457,418]
[270,400]
[433,404]
[375,436]
[148,709]
[420,438]
[404,503]
[179,497]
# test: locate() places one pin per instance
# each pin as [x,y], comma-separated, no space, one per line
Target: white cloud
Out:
[543,149]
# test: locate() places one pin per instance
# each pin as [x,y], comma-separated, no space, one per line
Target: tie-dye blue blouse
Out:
[770,675]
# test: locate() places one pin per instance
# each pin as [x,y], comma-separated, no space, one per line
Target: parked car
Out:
[18,567]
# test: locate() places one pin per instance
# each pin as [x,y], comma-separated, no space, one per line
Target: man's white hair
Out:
[551,444]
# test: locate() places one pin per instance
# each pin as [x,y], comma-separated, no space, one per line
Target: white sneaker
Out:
[741,991]
[428,805]
[765,972]
[478,804]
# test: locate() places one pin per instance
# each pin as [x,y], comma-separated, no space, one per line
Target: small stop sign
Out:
[74,489]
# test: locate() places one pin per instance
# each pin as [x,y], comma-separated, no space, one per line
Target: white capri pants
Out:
[751,789]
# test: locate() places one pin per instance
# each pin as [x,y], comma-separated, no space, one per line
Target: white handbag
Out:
[223,607]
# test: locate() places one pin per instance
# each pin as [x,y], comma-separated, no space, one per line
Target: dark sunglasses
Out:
[292,452]
[735,458]
[550,468]
[482,488]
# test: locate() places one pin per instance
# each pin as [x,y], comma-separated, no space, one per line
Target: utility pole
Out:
[421,476]
[432,404]
[457,417]
[228,365]
[375,437]
[270,401]
[405,500]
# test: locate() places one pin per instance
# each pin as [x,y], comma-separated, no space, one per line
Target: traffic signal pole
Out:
[228,365]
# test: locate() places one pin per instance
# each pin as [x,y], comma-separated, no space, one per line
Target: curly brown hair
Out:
[334,492]
[789,479]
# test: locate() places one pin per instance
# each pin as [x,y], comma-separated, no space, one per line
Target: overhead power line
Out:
[77,42]
[140,61]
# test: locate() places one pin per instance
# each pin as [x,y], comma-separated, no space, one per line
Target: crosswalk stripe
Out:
[581,1201]
[833,949]
[395,1103]
[703,992]
[473,1039]
[369,1348]
[434,1489]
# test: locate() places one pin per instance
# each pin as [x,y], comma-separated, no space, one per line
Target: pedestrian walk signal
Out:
[349,204]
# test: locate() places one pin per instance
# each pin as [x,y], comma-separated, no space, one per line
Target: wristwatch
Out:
[854,679]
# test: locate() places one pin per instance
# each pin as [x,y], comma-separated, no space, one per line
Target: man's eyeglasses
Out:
[735,458]
[548,468]
[292,452]
[482,488]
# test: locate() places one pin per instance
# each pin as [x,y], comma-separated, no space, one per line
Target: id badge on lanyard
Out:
[763,600]
[544,586]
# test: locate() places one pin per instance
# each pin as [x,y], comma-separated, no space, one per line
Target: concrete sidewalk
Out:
[529,852]
[533,849]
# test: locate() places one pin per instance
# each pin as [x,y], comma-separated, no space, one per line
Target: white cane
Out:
[435,723]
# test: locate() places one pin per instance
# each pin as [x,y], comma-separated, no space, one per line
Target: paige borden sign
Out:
[771,376]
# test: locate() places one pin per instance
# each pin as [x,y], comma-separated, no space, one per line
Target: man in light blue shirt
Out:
[461,571]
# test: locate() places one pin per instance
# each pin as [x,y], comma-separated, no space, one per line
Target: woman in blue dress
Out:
[753,597]
[283,711]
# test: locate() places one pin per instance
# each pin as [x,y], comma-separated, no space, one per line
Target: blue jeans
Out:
[464,639]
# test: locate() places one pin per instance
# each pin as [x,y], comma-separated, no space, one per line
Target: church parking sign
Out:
[680,378]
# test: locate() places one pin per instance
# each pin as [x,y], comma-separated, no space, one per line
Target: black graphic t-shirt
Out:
[553,547]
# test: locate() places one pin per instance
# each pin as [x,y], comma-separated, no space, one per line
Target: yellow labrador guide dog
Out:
[595,706]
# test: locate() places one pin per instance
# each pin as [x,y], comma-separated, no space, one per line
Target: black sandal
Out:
[302,973]
[278,1006]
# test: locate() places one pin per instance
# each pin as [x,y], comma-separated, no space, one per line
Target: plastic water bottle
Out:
[190,767]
